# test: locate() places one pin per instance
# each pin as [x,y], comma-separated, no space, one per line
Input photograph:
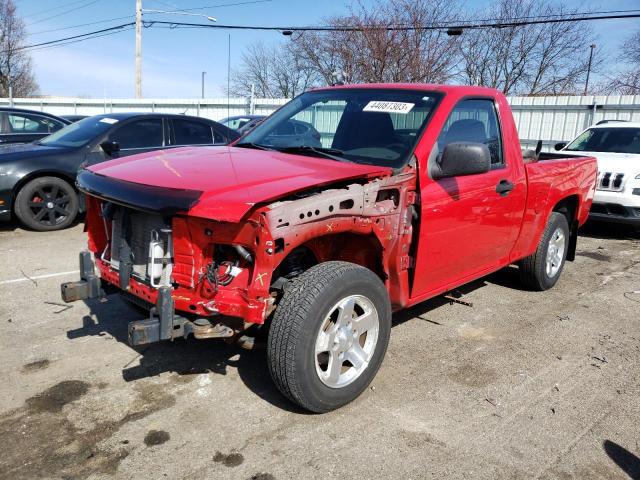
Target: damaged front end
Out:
[218,279]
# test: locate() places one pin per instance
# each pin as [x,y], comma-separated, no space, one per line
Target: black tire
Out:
[47,203]
[303,309]
[533,269]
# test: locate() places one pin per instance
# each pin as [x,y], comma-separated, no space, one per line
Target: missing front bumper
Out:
[162,324]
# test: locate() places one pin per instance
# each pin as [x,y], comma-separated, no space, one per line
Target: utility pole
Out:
[138,48]
[203,74]
[586,83]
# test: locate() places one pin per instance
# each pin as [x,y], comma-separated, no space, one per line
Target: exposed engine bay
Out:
[225,277]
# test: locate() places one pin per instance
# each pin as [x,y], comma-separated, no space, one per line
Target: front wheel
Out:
[542,270]
[47,203]
[329,335]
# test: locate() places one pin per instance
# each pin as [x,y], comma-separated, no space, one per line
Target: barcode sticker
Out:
[388,107]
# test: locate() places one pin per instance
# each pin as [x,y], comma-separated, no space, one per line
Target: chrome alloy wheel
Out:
[555,252]
[346,341]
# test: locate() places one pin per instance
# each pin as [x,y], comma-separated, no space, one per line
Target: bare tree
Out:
[379,52]
[627,82]
[530,59]
[15,63]
[274,72]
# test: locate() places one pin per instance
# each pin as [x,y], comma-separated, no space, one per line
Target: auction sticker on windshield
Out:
[388,107]
[110,121]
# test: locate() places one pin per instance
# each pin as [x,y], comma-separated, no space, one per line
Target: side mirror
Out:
[560,145]
[110,147]
[462,158]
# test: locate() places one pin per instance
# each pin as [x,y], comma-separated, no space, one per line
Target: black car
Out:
[18,125]
[74,118]
[37,180]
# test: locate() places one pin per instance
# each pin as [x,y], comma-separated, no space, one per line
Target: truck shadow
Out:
[192,357]
[181,357]
[420,310]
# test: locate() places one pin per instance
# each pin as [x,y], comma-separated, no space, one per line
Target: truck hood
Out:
[627,163]
[221,183]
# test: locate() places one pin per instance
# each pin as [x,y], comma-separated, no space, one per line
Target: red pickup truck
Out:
[345,205]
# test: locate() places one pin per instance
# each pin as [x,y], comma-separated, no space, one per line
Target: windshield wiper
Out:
[255,146]
[331,153]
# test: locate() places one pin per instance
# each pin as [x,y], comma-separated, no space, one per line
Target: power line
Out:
[165,4]
[540,17]
[55,8]
[220,5]
[91,2]
[441,26]
[81,36]
[62,44]
[80,25]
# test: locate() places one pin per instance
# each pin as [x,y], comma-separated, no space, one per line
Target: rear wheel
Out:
[542,270]
[329,335]
[47,203]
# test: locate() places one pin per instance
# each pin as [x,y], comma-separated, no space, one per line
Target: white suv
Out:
[616,145]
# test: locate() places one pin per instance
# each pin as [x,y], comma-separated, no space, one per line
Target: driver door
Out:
[467,227]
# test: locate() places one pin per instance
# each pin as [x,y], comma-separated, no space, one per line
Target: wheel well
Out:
[569,208]
[363,250]
[39,174]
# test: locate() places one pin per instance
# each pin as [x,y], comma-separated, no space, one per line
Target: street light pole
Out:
[203,73]
[138,48]
[586,83]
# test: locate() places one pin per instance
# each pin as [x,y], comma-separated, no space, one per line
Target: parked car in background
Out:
[417,189]
[18,125]
[74,118]
[616,145]
[37,180]
[242,123]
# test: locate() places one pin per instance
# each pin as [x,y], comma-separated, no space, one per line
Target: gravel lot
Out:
[520,385]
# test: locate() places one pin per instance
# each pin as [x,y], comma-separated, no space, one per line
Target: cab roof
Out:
[458,89]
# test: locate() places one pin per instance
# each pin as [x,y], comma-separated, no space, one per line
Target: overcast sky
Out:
[173,59]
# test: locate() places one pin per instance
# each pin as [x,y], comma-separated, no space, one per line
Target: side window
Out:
[189,132]
[26,123]
[145,133]
[219,139]
[474,120]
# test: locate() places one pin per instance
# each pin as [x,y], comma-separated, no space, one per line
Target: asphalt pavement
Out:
[519,385]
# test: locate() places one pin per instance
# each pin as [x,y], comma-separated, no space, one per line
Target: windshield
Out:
[609,139]
[371,126]
[79,133]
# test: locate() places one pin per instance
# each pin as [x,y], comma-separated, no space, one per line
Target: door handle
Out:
[504,187]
